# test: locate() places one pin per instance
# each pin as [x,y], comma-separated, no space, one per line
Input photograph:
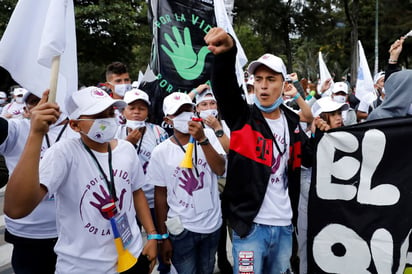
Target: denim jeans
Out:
[194,253]
[267,249]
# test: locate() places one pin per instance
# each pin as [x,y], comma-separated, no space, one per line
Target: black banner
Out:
[180,59]
[360,201]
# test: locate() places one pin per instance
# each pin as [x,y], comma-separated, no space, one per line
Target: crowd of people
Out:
[85,184]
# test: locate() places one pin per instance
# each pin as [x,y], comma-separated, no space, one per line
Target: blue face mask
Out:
[271,108]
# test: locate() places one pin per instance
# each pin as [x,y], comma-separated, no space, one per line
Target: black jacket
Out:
[249,164]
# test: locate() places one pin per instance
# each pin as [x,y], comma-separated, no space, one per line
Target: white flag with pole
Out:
[324,75]
[39,44]
[365,89]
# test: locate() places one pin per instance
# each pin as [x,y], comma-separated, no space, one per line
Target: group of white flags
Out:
[364,84]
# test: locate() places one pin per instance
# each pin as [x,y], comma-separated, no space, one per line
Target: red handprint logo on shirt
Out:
[275,163]
[190,183]
[105,199]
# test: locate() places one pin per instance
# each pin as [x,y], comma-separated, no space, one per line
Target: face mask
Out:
[135,124]
[339,99]
[103,130]
[180,122]
[2,101]
[19,100]
[383,90]
[209,112]
[122,88]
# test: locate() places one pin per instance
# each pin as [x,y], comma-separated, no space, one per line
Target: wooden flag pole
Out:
[54,76]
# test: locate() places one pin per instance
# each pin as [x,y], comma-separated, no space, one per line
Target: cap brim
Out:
[98,108]
[252,66]
[176,108]
[135,99]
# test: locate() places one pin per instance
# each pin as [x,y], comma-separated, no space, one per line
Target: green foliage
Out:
[110,31]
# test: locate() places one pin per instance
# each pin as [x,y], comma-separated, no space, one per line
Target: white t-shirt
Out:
[153,136]
[41,222]
[85,243]
[276,209]
[195,199]
[13,108]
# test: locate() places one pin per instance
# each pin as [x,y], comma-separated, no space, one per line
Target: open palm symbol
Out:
[189,64]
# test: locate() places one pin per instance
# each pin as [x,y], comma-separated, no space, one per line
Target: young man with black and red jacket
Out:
[267,148]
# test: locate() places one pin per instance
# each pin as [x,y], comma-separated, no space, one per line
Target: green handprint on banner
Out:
[188,64]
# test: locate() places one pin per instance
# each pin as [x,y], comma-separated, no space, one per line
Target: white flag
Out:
[38,31]
[364,82]
[223,21]
[324,75]
[408,34]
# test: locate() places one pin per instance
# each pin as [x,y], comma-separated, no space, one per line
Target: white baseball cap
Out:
[92,100]
[340,86]
[204,96]
[271,61]
[326,104]
[378,76]
[19,91]
[174,101]
[136,94]
[3,95]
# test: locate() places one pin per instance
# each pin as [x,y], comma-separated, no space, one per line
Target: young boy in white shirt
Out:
[87,176]
[187,201]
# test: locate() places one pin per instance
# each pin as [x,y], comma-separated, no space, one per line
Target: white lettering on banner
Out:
[373,147]
[339,249]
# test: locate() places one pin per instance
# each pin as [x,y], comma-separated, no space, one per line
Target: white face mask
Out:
[180,122]
[135,124]
[19,100]
[208,112]
[383,90]
[2,101]
[122,88]
[103,130]
[339,98]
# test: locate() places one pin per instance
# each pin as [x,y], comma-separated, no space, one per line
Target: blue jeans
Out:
[267,249]
[194,253]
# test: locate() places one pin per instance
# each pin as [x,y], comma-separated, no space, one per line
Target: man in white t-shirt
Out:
[267,149]
[187,201]
[96,181]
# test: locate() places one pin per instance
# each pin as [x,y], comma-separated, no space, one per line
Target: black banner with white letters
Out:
[360,201]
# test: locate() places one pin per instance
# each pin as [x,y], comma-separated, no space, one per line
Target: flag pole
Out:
[54,76]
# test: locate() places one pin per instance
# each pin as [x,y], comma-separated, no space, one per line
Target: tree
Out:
[110,31]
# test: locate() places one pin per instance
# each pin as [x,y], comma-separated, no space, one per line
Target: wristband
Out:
[195,91]
[204,142]
[296,96]
[157,236]
[393,61]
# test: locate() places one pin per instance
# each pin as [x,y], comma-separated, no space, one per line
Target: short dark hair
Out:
[115,68]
